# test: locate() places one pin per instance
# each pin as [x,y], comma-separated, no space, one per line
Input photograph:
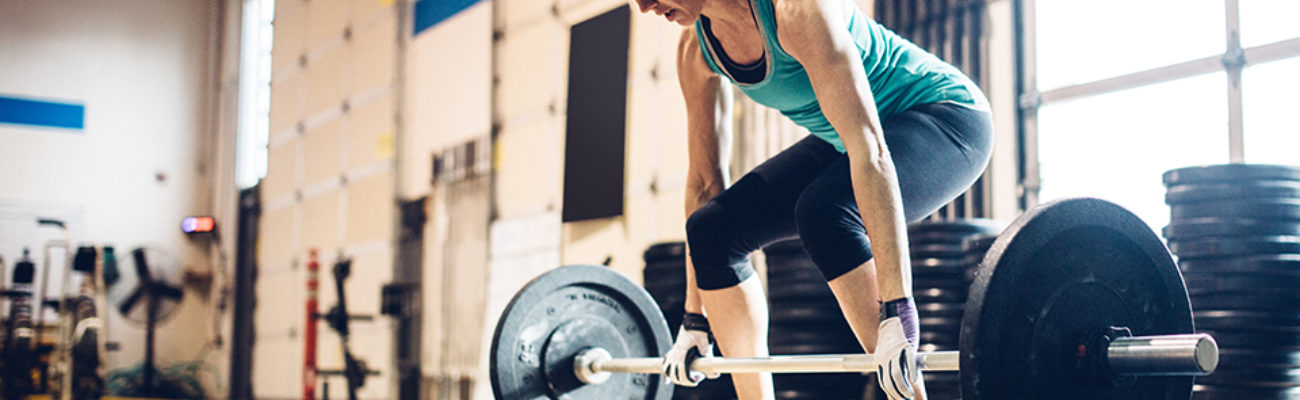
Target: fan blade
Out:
[129,303]
[164,290]
[141,267]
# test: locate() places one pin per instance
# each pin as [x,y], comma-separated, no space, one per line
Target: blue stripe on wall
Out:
[430,12]
[42,113]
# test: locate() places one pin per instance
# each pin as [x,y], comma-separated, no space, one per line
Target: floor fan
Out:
[147,293]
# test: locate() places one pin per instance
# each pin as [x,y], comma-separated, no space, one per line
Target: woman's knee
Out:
[716,256]
[832,234]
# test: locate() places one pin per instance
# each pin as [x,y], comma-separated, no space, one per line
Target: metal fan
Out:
[148,291]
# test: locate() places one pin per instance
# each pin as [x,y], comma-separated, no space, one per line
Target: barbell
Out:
[1077,299]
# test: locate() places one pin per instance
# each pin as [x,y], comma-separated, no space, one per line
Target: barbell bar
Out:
[1076,299]
[1159,355]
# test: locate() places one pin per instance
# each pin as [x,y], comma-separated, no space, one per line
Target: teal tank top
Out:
[901,75]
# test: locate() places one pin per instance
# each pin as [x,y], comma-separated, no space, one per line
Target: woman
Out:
[896,133]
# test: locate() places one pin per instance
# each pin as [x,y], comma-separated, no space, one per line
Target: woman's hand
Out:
[694,340]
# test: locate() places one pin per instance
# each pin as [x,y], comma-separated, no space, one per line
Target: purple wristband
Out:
[905,310]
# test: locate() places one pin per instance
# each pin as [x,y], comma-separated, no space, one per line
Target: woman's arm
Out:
[821,42]
[708,126]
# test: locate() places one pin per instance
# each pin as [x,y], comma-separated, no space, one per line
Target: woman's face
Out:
[683,12]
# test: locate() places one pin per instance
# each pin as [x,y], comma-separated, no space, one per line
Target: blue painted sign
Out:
[431,12]
[43,113]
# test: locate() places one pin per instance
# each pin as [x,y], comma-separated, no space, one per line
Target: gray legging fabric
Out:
[938,150]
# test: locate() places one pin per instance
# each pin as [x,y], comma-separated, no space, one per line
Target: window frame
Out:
[1232,62]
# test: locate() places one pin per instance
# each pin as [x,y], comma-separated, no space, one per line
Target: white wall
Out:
[144,71]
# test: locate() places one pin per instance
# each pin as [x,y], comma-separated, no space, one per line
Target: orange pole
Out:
[309,354]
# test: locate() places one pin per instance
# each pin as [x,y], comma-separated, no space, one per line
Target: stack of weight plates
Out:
[975,246]
[665,279]
[939,284]
[806,319]
[1236,231]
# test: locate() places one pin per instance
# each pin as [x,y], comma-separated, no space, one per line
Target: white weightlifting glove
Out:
[694,340]
[896,350]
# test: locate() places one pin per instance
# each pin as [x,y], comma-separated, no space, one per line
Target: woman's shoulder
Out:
[690,58]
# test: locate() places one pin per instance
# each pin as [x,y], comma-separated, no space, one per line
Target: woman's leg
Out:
[741,331]
[754,212]
[938,151]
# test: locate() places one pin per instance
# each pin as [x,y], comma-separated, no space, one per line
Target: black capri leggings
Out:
[938,150]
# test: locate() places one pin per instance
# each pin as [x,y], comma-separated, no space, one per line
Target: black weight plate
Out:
[1287,341]
[951,310]
[931,347]
[942,335]
[940,338]
[1219,227]
[568,310]
[1276,210]
[939,263]
[675,251]
[826,382]
[788,347]
[978,243]
[846,386]
[674,273]
[1268,301]
[942,386]
[668,293]
[940,323]
[1062,271]
[1271,264]
[822,314]
[1262,358]
[666,268]
[928,278]
[1259,321]
[813,395]
[941,377]
[939,295]
[968,226]
[824,394]
[1239,246]
[1253,377]
[793,275]
[936,237]
[1230,173]
[798,291]
[710,389]
[1204,284]
[945,281]
[669,283]
[797,335]
[1211,392]
[796,299]
[938,267]
[940,251]
[1192,193]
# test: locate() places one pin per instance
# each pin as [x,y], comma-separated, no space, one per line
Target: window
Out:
[254,93]
[1117,145]
[1080,42]
[1133,88]
[1269,100]
[1268,21]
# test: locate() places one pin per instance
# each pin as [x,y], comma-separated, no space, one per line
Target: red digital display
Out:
[198,224]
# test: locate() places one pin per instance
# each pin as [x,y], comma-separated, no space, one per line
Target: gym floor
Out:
[276,199]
